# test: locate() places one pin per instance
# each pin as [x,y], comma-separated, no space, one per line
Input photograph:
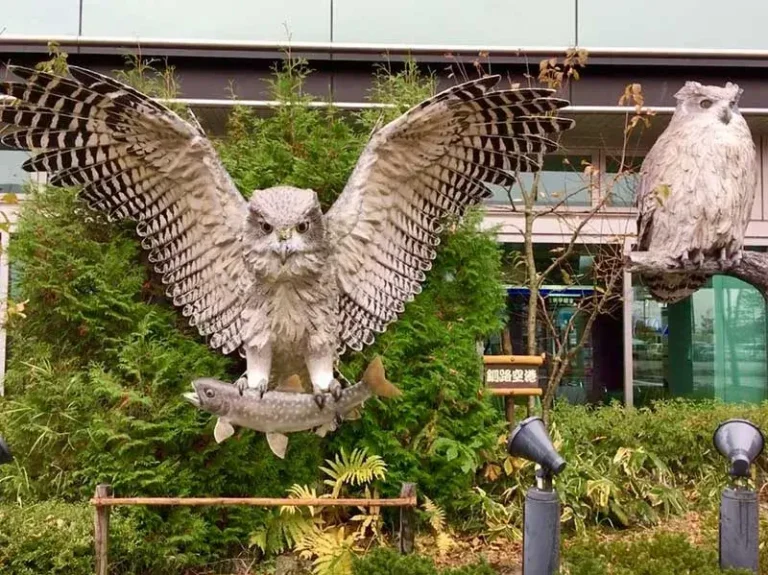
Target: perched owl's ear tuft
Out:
[735,90]
[689,89]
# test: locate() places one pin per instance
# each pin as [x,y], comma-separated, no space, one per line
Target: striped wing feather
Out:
[134,158]
[433,161]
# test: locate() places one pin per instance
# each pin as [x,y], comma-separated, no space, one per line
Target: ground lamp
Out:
[541,514]
[5,452]
[740,441]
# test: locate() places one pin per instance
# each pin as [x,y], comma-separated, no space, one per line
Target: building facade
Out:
[711,345]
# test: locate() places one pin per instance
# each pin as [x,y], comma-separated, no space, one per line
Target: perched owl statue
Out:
[696,189]
[289,286]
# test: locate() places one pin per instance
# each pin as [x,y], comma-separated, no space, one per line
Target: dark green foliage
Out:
[633,467]
[56,538]
[99,361]
[93,392]
[385,561]
[662,554]
[296,145]
[437,432]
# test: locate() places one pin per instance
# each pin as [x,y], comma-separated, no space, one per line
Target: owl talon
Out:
[260,388]
[335,389]
[320,399]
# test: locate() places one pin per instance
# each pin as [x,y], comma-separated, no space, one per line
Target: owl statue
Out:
[696,189]
[274,277]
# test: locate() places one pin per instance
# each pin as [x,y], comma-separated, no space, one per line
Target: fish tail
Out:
[376,380]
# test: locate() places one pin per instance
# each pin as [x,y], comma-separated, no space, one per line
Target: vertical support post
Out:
[407,535]
[101,530]
[739,530]
[509,409]
[531,405]
[628,296]
[541,532]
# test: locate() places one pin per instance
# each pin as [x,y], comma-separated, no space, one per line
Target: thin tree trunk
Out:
[533,280]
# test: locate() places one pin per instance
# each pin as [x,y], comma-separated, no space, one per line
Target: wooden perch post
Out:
[407,534]
[101,530]
[752,269]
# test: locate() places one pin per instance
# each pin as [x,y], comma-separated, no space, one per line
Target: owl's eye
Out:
[302,227]
[705,104]
[732,103]
[266,227]
[209,393]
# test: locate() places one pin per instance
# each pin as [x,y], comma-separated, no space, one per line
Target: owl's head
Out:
[283,224]
[696,101]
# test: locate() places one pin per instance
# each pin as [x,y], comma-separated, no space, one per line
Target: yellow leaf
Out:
[492,472]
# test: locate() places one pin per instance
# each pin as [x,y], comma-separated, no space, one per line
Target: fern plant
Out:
[357,468]
[442,538]
[322,533]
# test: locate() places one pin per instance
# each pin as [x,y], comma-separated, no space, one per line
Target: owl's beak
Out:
[726,115]
[284,234]
[283,250]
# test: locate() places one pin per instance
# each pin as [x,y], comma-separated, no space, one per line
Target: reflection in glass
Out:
[711,345]
[621,181]
[12,177]
[561,181]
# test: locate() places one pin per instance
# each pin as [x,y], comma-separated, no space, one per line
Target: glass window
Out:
[710,345]
[739,368]
[561,181]
[12,177]
[620,181]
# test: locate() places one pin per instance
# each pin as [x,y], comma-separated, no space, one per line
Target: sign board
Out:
[512,371]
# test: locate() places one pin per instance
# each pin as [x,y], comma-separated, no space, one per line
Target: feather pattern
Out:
[137,159]
[433,161]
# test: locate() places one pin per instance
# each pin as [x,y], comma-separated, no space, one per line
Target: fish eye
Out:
[302,227]
[209,393]
[266,227]
[705,104]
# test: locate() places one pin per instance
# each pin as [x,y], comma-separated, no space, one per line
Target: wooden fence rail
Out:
[103,500]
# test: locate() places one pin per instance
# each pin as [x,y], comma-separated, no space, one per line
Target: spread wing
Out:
[135,158]
[432,161]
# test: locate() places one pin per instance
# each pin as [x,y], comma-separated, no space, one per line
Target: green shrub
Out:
[662,554]
[57,538]
[98,360]
[625,467]
[385,561]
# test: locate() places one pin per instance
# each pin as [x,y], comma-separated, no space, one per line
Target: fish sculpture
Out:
[285,410]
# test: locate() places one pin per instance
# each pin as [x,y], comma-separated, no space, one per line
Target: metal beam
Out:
[371,48]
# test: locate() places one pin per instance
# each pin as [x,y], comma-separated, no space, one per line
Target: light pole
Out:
[741,442]
[541,514]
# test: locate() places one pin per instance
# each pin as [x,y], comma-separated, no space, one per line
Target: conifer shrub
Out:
[98,359]
[387,561]
[54,538]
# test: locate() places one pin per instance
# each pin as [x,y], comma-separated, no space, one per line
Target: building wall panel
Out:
[39,17]
[679,24]
[257,20]
[482,22]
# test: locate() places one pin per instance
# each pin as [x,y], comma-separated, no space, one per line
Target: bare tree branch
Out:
[752,269]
